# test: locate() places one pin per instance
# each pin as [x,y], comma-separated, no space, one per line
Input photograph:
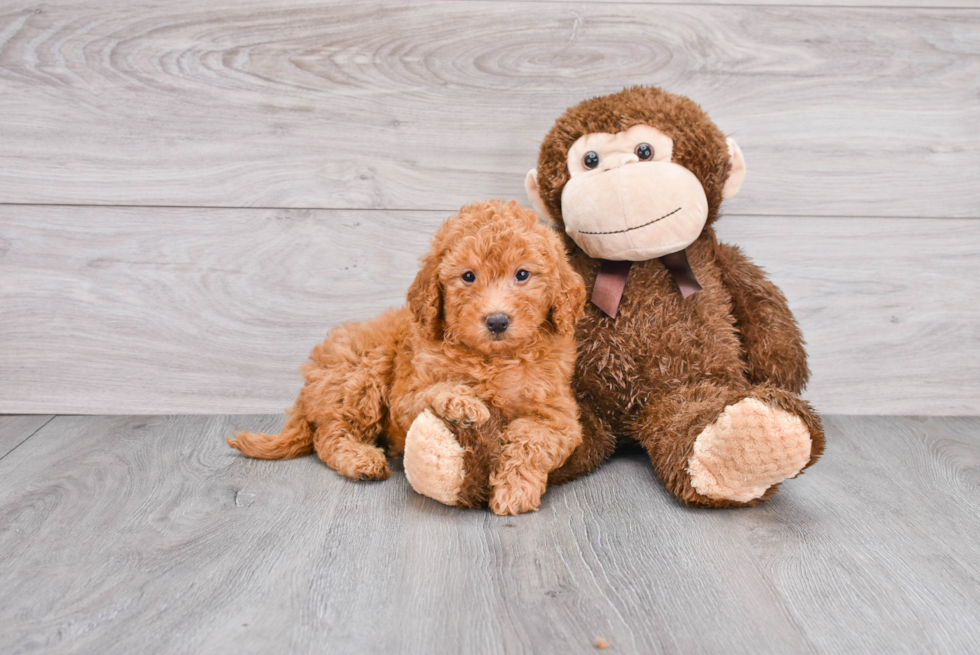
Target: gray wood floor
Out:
[147,534]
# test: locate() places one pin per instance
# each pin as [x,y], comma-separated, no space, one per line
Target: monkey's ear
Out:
[425,298]
[534,195]
[737,174]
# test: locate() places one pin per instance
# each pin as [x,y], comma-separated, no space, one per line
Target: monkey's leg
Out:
[481,452]
[598,444]
[452,464]
[728,447]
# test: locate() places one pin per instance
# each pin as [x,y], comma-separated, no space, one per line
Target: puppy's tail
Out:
[295,440]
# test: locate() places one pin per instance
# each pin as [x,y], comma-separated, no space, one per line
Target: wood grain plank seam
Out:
[788,5]
[450,209]
[41,427]
[256,207]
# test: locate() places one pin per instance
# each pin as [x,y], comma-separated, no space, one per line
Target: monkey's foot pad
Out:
[750,447]
[434,459]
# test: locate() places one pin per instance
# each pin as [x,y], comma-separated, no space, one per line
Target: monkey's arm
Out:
[773,342]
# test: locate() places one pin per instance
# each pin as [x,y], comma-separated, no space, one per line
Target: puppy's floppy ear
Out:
[425,297]
[568,300]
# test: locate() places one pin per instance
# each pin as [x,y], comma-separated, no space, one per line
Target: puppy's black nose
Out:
[497,323]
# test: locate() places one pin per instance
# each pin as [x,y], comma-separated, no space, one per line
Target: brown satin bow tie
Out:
[610,281]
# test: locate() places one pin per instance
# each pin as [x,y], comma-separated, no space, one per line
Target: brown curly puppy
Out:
[489,324]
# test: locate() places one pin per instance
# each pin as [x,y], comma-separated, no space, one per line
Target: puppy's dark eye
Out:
[644,151]
[591,159]
[469,277]
[522,275]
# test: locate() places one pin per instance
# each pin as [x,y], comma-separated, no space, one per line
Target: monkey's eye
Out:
[522,275]
[644,151]
[591,159]
[469,277]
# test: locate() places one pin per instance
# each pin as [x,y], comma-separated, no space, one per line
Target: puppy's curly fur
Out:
[367,382]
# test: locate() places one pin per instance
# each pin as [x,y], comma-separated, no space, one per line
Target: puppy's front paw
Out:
[516,492]
[462,409]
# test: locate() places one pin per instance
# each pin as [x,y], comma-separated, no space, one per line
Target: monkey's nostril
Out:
[615,162]
[497,323]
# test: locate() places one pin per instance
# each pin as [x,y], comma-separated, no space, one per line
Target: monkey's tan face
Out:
[626,200]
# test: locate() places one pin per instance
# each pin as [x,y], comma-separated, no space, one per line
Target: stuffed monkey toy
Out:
[686,348]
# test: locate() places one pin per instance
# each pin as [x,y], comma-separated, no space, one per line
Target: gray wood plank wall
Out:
[190,197]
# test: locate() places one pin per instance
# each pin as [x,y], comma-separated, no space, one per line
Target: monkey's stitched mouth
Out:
[630,229]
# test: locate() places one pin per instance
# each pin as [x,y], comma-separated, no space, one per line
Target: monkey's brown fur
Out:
[510,397]
[667,367]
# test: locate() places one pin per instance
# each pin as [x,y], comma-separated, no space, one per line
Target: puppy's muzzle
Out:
[498,323]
